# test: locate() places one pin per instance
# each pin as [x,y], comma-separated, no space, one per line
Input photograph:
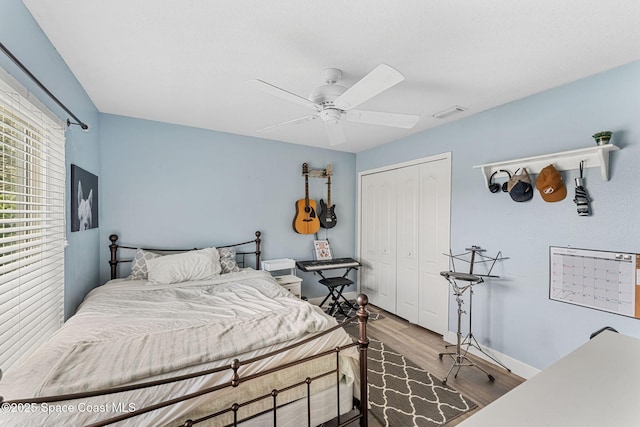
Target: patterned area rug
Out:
[403,394]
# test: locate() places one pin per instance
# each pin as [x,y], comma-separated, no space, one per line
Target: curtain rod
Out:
[41,86]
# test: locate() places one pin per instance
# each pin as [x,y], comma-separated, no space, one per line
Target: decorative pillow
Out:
[228,260]
[139,269]
[193,265]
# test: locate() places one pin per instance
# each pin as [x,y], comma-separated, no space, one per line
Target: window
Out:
[32,223]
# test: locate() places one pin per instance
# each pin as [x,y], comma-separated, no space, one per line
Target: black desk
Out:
[335,284]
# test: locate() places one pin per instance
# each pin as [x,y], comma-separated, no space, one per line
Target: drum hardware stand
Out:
[459,357]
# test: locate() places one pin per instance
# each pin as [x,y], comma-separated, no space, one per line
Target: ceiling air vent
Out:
[449,112]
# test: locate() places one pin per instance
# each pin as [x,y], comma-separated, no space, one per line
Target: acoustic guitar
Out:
[327,211]
[306,221]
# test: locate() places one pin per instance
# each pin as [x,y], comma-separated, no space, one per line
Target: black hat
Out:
[519,186]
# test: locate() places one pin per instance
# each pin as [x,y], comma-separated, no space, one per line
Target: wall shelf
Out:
[593,157]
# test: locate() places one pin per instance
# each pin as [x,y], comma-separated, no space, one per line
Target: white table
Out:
[596,385]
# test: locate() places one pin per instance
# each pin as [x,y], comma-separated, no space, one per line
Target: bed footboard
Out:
[363,344]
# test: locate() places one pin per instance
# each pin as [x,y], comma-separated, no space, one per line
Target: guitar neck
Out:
[329,173]
[306,191]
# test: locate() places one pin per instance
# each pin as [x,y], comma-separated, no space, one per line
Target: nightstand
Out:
[290,281]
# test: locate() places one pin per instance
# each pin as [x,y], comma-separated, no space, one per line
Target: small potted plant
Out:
[603,137]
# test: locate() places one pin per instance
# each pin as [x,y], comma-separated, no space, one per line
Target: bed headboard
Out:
[241,254]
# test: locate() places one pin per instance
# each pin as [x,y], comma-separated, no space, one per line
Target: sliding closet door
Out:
[435,219]
[407,228]
[378,239]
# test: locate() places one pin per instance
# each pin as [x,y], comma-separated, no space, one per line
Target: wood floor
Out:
[423,346]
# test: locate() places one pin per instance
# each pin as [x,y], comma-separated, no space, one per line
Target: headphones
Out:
[494,187]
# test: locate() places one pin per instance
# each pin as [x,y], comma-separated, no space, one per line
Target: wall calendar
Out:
[600,280]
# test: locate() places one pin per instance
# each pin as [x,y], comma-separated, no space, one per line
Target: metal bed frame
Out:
[358,412]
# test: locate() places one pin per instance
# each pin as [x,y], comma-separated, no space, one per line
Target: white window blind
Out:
[32,225]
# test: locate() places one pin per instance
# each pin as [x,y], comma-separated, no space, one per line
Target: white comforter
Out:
[130,331]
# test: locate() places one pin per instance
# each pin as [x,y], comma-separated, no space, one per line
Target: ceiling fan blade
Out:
[335,132]
[377,81]
[405,121]
[289,122]
[281,93]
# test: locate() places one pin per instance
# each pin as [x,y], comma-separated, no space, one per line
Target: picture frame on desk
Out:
[322,250]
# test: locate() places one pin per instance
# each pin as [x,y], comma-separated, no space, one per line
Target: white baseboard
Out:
[517,367]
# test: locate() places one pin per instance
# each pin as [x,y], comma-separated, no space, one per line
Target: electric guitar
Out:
[306,221]
[327,211]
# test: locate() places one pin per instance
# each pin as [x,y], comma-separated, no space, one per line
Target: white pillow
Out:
[202,264]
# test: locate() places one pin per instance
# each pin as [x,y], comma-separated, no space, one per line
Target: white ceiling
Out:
[186,61]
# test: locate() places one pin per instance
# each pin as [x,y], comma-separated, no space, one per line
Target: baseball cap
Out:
[549,183]
[519,186]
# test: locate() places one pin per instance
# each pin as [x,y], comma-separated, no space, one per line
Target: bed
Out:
[192,336]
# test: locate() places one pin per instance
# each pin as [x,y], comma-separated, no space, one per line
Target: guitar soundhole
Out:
[307,209]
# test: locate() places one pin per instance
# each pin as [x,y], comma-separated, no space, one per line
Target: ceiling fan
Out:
[332,102]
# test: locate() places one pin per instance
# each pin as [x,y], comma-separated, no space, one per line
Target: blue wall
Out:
[23,37]
[172,186]
[513,314]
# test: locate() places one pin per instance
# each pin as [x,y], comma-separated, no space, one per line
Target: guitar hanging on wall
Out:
[306,221]
[327,211]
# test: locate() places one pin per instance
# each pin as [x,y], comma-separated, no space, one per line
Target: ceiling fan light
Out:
[331,115]
[335,132]
[449,112]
